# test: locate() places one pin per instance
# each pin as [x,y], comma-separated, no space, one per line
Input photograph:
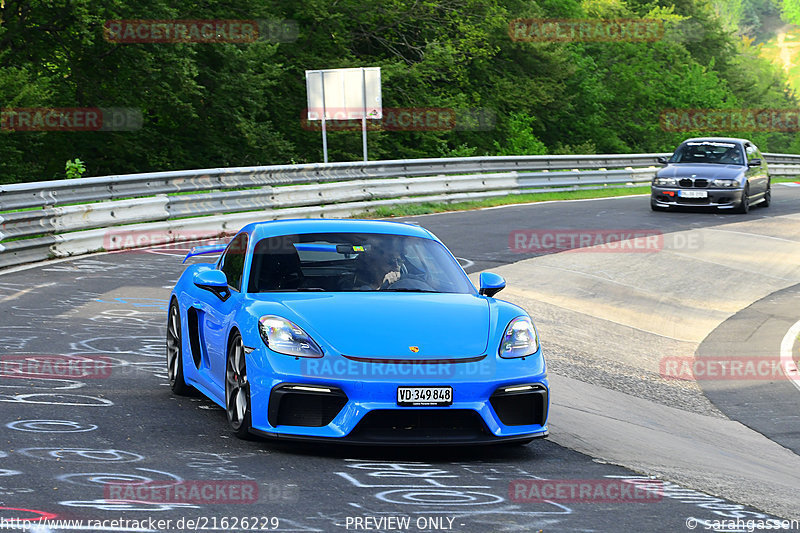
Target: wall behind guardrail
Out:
[49,219]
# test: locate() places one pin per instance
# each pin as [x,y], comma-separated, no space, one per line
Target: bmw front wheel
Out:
[744,205]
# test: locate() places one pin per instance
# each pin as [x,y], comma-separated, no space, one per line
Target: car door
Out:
[764,168]
[217,314]
[756,175]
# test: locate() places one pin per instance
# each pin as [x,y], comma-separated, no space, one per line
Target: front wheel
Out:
[767,196]
[744,206]
[237,389]
[175,352]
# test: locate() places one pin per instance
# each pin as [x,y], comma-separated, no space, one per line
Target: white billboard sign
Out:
[344,93]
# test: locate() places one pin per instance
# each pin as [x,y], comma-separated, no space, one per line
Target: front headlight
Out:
[520,339]
[665,182]
[286,337]
[725,183]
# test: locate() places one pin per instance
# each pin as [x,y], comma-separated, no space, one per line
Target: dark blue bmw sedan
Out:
[718,172]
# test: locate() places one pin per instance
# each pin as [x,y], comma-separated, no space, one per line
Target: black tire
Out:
[237,389]
[655,207]
[175,352]
[744,206]
[767,196]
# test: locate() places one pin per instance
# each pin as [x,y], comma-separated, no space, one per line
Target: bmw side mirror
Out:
[754,163]
[662,160]
[213,281]
[491,284]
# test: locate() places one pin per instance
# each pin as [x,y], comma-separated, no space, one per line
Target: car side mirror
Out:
[754,163]
[491,284]
[213,281]
[662,160]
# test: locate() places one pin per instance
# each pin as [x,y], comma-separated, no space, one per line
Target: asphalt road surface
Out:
[69,448]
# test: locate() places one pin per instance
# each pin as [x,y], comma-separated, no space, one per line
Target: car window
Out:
[752,152]
[343,262]
[232,261]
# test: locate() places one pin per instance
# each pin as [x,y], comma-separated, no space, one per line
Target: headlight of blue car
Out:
[665,182]
[519,340]
[725,183]
[286,337]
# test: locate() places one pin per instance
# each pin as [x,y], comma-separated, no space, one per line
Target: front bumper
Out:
[356,402]
[719,198]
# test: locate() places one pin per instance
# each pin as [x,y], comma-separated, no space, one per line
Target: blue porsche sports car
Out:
[355,331]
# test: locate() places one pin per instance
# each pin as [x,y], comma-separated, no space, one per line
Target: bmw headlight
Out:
[725,183]
[284,336]
[520,339]
[665,182]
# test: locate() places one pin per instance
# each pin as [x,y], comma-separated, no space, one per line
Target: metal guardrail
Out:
[59,218]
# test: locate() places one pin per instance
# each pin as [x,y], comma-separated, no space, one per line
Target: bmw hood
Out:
[391,325]
[707,171]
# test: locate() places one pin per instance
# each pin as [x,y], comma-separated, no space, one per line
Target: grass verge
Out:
[440,207]
[510,199]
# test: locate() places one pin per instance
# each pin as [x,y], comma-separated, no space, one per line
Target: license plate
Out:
[409,396]
[693,194]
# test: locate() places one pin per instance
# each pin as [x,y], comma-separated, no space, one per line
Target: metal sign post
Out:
[324,115]
[364,112]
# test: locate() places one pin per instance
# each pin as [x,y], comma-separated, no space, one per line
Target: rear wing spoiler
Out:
[204,250]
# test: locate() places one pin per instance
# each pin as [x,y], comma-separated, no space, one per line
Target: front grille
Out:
[688,182]
[522,407]
[421,425]
[289,406]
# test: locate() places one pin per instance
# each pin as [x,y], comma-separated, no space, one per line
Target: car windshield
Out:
[336,262]
[714,152]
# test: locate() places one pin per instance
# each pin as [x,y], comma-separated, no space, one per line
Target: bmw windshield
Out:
[713,152]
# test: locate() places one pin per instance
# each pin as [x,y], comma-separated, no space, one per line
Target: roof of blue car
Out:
[272,228]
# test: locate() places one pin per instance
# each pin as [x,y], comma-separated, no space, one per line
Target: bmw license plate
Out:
[410,396]
[693,194]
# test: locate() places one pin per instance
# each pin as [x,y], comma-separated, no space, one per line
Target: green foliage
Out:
[520,139]
[74,169]
[461,150]
[229,104]
[790,11]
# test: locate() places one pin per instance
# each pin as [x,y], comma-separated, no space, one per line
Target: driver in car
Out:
[378,268]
